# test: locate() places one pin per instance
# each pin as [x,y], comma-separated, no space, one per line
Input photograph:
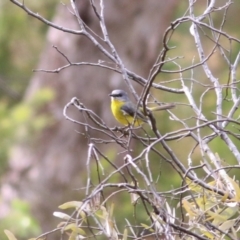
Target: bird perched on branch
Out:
[127,113]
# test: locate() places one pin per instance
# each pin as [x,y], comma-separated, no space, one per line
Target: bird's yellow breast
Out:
[121,116]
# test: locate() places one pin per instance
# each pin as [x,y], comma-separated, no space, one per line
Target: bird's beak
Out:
[110,95]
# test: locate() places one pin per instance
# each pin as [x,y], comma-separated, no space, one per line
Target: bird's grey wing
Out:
[129,109]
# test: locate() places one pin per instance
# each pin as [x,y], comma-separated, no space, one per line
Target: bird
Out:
[127,113]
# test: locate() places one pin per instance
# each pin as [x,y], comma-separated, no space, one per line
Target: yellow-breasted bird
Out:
[127,113]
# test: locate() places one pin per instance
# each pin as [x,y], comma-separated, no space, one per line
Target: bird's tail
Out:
[162,107]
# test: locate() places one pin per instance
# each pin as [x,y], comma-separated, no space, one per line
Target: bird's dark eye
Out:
[118,95]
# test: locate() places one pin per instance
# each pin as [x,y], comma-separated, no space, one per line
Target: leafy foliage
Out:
[206,130]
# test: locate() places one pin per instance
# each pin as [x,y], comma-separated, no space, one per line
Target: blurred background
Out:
[42,155]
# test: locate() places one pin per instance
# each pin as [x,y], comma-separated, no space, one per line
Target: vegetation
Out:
[177,180]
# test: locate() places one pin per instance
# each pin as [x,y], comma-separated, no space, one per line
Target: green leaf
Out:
[62,215]
[205,203]
[74,228]
[193,186]
[9,235]
[145,226]
[227,225]
[73,236]
[72,204]
[188,208]
[208,234]
[225,214]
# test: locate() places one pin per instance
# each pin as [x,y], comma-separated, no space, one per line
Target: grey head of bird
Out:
[120,95]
